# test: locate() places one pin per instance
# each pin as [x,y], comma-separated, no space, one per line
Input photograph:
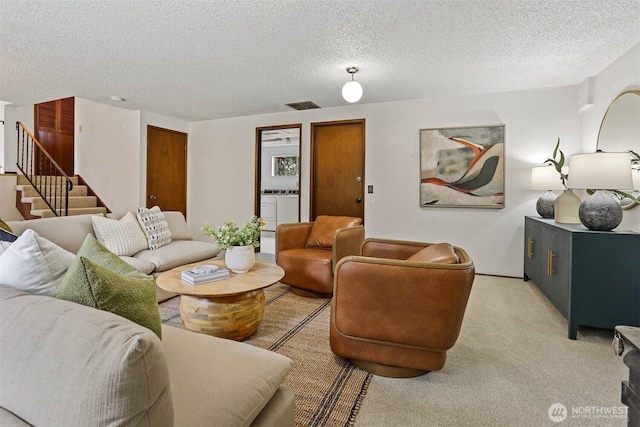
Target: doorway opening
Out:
[277,179]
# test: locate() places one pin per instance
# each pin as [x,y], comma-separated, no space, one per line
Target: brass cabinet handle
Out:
[529,247]
[550,256]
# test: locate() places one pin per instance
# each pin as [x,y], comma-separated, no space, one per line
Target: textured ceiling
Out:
[200,60]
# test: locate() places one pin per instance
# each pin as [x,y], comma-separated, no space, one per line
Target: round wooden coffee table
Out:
[229,308]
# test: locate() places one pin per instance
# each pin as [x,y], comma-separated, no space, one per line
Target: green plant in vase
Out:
[239,243]
[230,234]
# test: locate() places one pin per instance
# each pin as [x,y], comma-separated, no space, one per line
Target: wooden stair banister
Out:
[42,172]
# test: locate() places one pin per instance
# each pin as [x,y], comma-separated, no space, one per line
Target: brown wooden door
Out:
[54,124]
[337,168]
[167,169]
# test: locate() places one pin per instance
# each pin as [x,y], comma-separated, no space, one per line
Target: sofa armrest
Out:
[421,304]
[292,236]
[347,241]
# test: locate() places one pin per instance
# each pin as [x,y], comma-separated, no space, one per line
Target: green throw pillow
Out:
[5,226]
[93,285]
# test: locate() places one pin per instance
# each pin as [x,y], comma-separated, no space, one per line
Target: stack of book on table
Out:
[204,274]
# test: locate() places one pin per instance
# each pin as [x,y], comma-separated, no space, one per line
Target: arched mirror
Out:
[620,131]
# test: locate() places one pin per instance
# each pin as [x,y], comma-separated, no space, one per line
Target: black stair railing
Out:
[46,176]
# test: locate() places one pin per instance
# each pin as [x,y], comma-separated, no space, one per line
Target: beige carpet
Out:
[512,361]
[329,390]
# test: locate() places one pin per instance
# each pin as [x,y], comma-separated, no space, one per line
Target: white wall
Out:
[622,75]
[222,155]
[107,152]
[2,125]
[111,151]
[8,211]
[13,114]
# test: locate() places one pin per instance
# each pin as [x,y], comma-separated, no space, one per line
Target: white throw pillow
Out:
[34,264]
[123,237]
[3,246]
[155,226]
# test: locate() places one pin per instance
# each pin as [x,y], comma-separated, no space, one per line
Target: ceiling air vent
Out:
[304,105]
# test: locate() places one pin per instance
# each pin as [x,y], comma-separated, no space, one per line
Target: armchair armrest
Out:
[347,241]
[407,303]
[390,248]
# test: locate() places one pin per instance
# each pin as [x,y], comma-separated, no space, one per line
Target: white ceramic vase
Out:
[240,259]
[566,208]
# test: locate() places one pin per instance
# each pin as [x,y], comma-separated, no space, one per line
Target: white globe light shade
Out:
[352,91]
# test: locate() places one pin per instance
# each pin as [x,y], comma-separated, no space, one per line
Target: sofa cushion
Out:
[65,231]
[34,264]
[155,226]
[179,252]
[93,285]
[325,226]
[222,381]
[71,365]
[123,237]
[440,253]
[177,225]
[142,265]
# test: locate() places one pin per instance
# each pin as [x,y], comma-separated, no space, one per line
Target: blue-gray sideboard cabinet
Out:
[592,277]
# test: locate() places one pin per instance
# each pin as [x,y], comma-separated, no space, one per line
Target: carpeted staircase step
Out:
[29,191]
[37,203]
[22,180]
[72,211]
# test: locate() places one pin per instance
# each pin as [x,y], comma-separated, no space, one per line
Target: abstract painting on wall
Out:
[462,167]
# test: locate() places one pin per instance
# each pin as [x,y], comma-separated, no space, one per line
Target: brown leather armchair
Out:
[308,251]
[398,308]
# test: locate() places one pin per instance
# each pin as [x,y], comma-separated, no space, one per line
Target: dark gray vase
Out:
[600,212]
[545,205]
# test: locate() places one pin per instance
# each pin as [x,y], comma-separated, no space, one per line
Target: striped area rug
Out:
[329,390]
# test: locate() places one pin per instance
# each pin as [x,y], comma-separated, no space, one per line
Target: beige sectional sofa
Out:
[69,232]
[66,364]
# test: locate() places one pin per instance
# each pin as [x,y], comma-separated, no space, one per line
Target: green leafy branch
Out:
[558,163]
[230,234]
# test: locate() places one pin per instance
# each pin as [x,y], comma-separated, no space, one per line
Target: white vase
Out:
[240,259]
[566,208]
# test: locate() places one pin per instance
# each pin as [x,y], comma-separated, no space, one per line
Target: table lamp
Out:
[546,178]
[600,171]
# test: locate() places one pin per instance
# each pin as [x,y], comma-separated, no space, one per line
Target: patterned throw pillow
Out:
[123,237]
[155,226]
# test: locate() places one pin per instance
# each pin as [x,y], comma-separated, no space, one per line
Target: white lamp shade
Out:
[545,178]
[600,171]
[352,91]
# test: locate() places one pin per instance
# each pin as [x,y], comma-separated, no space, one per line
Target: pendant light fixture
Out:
[352,91]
